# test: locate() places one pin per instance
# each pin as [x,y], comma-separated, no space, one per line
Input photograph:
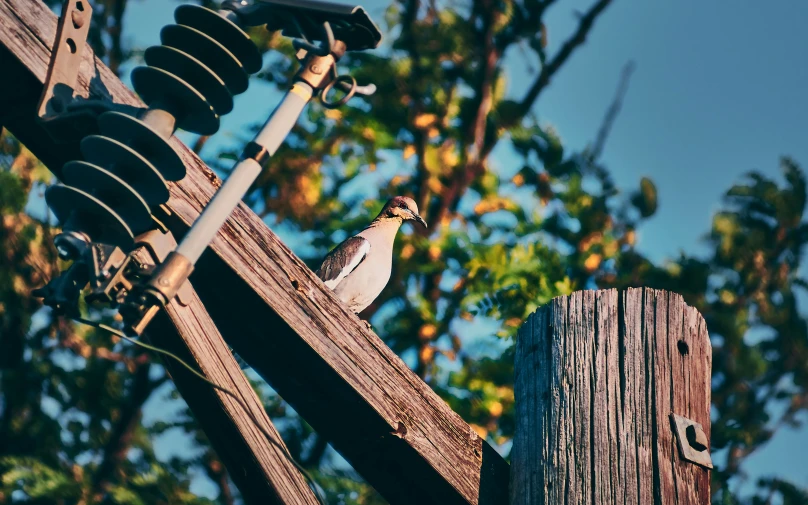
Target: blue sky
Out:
[719,90]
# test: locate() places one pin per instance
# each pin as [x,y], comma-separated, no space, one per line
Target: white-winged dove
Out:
[358,269]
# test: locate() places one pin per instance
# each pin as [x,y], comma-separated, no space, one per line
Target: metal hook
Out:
[348,95]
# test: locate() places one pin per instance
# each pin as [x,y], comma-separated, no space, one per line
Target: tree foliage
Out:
[516,218]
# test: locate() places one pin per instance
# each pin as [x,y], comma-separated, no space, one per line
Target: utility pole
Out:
[257,296]
[612,401]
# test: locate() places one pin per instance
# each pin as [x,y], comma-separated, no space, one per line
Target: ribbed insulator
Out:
[204,61]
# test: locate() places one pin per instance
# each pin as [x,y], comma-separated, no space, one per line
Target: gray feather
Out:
[343,260]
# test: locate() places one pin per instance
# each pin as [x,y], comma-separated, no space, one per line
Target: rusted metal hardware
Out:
[317,75]
[110,272]
[174,274]
[108,203]
[159,246]
[113,284]
[303,20]
[65,116]
[692,441]
[71,36]
[146,300]
[317,71]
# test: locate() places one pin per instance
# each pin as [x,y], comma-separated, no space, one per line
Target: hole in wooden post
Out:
[71,45]
[80,6]
[683,348]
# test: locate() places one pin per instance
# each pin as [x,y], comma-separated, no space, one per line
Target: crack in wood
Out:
[613,370]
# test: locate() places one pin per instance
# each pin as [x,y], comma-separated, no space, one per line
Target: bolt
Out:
[317,69]
[696,437]
[162,281]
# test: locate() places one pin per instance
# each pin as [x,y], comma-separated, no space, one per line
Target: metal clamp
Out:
[692,441]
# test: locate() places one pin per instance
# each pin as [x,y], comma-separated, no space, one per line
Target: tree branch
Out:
[475,135]
[121,434]
[549,70]
[317,451]
[409,20]
[116,55]
[218,474]
[613,111]
[200,143]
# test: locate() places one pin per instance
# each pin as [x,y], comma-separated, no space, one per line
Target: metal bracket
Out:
[304,18]
[110,271]
[109,266]
[692,441]
[159,245]
[63,72]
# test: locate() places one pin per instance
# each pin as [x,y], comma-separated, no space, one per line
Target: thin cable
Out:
[312,483]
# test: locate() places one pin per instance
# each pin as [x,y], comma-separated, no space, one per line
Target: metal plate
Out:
[112,190]
[85,213]
[212,54]
[130,166]
[224,31]
[68,48]
[194,113]
[698,455]
[137,134]
[194,72]
[351,24]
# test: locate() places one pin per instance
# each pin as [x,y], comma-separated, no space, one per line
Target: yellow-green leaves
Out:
[645,200]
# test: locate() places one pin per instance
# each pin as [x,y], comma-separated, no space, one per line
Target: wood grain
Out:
[597,375]
[284,322]
[261,470]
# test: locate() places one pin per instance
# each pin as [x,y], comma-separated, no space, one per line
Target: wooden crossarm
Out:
[397,432]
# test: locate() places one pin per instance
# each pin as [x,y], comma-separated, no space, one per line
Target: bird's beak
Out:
[419,219]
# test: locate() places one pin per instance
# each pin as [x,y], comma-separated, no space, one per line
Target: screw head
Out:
[317,69]
[162,281]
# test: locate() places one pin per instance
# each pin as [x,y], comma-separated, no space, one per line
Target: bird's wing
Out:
[343,260]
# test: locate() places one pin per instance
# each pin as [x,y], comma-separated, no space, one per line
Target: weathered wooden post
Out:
[608,390]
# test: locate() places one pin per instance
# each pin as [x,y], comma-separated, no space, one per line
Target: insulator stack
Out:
[188,83]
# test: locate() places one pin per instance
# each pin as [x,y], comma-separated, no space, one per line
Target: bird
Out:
[359,268]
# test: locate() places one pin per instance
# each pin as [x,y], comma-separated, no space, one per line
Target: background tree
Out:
[504,238]
[747,289]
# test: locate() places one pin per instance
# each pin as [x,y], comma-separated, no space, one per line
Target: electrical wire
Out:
[311,482]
